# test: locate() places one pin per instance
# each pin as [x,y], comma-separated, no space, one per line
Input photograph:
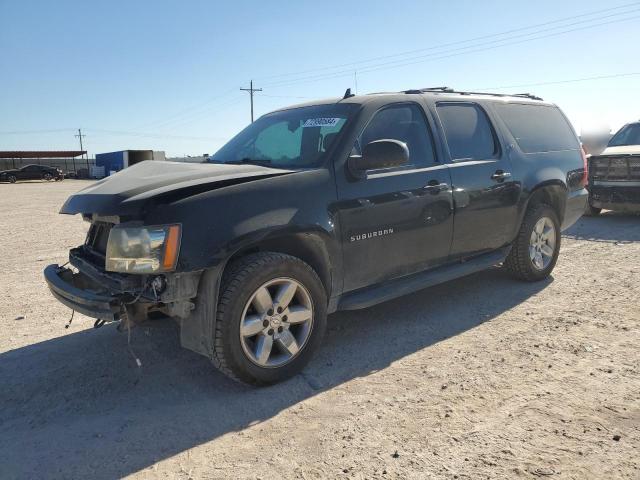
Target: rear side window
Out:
[538,128]
[468,131]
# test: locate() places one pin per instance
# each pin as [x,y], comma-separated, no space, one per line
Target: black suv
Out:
[332,205]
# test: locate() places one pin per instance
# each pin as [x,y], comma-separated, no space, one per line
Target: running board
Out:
[370,296]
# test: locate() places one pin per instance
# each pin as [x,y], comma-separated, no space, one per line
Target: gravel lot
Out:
[478,378]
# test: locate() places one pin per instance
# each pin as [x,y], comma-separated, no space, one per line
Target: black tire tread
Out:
[517,262]
[233,278]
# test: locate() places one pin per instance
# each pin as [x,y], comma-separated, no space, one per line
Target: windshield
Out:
[627,135]
[296,138]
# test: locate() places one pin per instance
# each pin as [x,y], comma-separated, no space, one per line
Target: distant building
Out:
[189,159]
[66,160]
[115,161]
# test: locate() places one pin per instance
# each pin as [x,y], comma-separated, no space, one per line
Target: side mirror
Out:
[379,154]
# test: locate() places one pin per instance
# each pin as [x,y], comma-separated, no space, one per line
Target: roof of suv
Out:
[440,93]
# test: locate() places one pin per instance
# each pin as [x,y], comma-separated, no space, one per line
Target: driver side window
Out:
[406,123]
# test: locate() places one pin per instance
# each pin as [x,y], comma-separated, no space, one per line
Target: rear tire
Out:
[534,252]
[262,335]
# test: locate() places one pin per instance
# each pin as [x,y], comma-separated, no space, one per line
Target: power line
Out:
[445,54]
[218,108]
[507,43]
[150,135]
[251,90]
[441,55]
[186,111]
[459,42]
[282,96]
[421,60]
[29,132]
[185,137]
[187,117]
[198,110]
[558,82]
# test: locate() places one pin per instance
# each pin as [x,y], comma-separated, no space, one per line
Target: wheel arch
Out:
[310,247]
[552,193]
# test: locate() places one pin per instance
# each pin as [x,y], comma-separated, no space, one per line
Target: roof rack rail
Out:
[527,95]
[430,89]
[451,90]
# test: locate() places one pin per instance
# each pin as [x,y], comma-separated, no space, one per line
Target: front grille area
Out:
[615,168]
[98,236]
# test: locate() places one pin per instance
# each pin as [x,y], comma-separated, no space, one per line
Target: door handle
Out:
[434,186]
[500,175]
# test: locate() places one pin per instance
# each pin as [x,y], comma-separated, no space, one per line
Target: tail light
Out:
[585,166]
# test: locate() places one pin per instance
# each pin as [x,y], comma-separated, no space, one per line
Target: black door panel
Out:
[485,209]
[485,193]
[397,221]
[395,226]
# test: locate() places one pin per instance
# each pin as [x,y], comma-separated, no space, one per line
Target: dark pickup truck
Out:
[332,205]
[614,174]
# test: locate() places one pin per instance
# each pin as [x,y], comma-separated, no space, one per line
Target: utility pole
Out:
[80,135]
[251,90]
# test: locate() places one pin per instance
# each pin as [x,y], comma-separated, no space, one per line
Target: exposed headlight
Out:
[143,249]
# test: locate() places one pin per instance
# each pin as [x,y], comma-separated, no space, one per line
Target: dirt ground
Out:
[479,378]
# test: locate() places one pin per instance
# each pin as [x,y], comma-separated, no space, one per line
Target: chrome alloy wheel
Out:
[542,243]
[276,322]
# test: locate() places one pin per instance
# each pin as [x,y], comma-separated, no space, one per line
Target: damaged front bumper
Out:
[91,290]
[97,293]
[80,294]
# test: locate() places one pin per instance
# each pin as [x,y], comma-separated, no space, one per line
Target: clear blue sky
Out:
[147,74]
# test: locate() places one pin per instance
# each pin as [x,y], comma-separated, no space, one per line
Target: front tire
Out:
[12,179]
[534,252]
[270,319]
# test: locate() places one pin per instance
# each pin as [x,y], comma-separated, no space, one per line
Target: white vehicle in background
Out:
[614,174]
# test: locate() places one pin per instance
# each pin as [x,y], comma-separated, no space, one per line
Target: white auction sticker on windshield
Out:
[321,122]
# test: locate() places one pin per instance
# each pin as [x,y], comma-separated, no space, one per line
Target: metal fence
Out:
[65,164]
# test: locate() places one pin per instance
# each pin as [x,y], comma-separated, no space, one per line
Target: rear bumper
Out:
[80,293]
[574,208]
[623,197]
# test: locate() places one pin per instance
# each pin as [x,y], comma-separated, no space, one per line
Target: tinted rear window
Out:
[538,128]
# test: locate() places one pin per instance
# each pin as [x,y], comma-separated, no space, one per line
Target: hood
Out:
[128,191]
[622,150]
